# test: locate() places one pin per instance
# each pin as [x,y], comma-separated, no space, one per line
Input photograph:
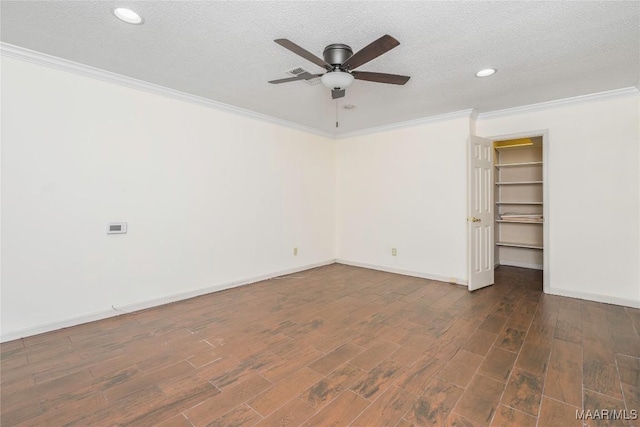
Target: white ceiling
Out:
[224,51]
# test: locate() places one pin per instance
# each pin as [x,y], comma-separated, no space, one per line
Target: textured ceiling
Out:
[224,51]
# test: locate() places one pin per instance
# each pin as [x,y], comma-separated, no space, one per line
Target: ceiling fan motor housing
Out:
[335,54]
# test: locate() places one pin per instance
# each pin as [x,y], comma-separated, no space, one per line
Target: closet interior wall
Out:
[519,204]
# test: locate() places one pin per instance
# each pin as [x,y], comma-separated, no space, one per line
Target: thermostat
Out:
[117,228]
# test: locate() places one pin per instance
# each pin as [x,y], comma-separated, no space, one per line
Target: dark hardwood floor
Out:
[335,346]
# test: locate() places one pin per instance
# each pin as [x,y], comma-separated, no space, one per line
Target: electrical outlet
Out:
[394,252]
[295,251]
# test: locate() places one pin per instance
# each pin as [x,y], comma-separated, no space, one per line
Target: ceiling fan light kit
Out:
[337,80]
[340,62]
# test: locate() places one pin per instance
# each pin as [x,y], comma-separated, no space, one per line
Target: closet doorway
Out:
[518,204]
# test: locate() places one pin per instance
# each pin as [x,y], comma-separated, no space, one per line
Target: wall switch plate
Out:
[295,251]
[394,252]
[117,228]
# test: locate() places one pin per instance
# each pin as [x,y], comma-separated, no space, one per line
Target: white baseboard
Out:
[595,297]
[421,275]
[78,320]
[73,321]
[521,264]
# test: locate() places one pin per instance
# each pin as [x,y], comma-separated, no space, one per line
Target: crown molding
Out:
[599,96]
[39,58]
[409,123]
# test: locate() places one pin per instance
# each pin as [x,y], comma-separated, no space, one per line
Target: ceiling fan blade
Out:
[335,94]
[287,44]
[303,76]
[393,79]
[371,51]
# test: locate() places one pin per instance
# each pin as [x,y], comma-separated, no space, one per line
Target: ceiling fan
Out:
[340,61]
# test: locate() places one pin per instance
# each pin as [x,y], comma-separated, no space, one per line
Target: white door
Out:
[480,213]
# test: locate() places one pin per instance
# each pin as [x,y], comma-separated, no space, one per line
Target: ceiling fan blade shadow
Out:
[337,93]
[394,79]
[371,51]
[303,76]
[288,44]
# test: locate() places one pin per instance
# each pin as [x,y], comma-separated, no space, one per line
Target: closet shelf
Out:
[519,245]
[518,178]
[519,183]
[520,222]
[514,147]
[519,203]
[511,165]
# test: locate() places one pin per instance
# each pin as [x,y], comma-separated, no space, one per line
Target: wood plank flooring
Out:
[335,346]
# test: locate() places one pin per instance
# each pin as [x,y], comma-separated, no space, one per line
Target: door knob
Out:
[474,219]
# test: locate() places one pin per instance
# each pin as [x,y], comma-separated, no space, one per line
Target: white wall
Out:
[594,194]
[211,198]
[215,199]
[405,189]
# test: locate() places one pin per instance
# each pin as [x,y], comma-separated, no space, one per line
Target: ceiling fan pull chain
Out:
[336,113]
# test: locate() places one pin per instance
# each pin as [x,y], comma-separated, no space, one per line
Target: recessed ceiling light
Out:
[486,72]
[349,107]
[127,15]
